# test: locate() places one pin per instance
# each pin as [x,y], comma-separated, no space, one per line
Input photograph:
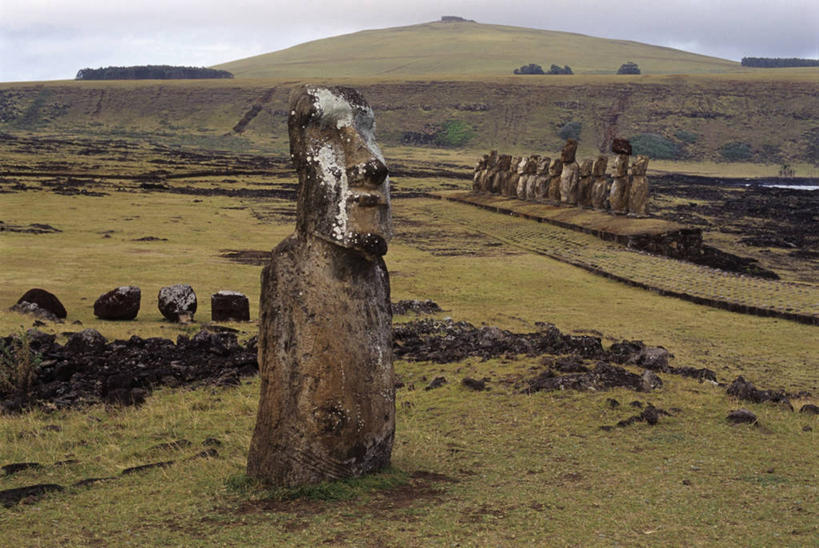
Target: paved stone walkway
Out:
[701,284]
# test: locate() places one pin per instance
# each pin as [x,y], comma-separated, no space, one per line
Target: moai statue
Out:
[527,175]
[600,187]
[480,167]
[488,174]
[327,407]
[515,168]
[555,170]
[502,174]
[570,176]
[585,186]
[638,191]
[618,197]
[539,185]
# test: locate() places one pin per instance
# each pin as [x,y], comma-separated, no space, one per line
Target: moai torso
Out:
[585,186]
[527,176]
[480,167]
[515,171]
[539,185]
[504,162]
[570,175]
[485,178]
[600,190]
[618,197]
[327,406]
[638,191]
[555,170]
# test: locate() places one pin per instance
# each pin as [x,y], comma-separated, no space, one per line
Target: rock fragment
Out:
[177,302]
[121,303]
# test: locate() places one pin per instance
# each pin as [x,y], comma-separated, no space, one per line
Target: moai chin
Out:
[570,175]
[539,188]
[638,190]
[327,406]
[555,170]
[618,196]
[584,188]
[599,192]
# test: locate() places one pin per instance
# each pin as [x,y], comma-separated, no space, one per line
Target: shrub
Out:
[570,130]
[18,366]
[736,151]
[531,68]
[654,146]
[687,137]
[629,68]
[454,133]
[555,69]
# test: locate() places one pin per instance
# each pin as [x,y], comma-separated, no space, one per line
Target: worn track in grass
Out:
[703,285]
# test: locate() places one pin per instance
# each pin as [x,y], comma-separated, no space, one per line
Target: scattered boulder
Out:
[86,341]
[33,309]
[15,467]
[427,306]
[649,381]
[177,302]
[474,384]
[809,409]
[229,306]
[121,303]
[44,300]
[10,497]
[437,382]
[745,390]
[741,416]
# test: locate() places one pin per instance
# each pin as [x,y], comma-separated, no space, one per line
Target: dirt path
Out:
[703,285]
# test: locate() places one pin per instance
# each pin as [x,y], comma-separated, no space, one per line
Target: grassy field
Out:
[441,49]
[484,468]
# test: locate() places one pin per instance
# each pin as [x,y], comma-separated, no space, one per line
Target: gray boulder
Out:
[121,303]
[177,302]
[229,306]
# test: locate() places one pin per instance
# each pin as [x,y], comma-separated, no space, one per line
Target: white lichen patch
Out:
[332,108]
[335,176]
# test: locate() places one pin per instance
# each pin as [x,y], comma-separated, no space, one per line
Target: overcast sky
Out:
[53,39]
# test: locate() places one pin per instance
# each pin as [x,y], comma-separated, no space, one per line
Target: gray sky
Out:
[53,39]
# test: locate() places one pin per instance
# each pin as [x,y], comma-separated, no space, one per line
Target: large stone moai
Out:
[584,187]
[327,407]
[618,197]
[502,173]
[480,168]
[600,187]
[515,171]
[555,171]
[638,190]
[539,186]
[527,178]
[570,175]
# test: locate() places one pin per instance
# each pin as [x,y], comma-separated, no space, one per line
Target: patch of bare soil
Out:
[455,242]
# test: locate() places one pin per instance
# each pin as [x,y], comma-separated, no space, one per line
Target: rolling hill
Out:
[441,49]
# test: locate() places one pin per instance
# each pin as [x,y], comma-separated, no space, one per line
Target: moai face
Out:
[569,151]
[531,165]
[504,162]
[640,165]
[585,168]
[543,166]
[344,185]
[599,167]
[556,167]
[521,165]
[620,166]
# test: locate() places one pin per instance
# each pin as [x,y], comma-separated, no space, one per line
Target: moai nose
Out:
[372,172]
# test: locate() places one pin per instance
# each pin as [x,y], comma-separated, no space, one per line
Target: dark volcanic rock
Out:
[649,381]
[741,416]
[474,384]
[437,382]
[45,300]
[10,497]
[33,309]
[85,342]
[745,390]
[177,302]
[229,306]
[121,303]
[419,307]
[602,377]
[810,409]
[15,467]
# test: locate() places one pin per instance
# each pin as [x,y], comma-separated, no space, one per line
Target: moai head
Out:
[531,165]
[556,167]
[568,152]
[344,185]
[586,168]
[620,166]
[599,167]
[493,159]
[521,165]
[504,161]
[482,162]
[543,165]
[621,146]
[640,165]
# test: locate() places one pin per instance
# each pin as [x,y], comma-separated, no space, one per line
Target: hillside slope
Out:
[465,48]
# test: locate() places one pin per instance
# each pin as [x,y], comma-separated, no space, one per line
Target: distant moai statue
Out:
[327,406]
[502,173]
[570,175]
[584,188]
[480,168]
[485,179]
[618,197]
[538,188]
[638,191]
[600,187]
[527,176]
[555,171]
[515,171]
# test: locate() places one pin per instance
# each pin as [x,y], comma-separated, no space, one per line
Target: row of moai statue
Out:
[563,181]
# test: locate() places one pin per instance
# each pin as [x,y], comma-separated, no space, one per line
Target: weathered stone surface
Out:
[85,342]
[121,303]
[621,146]
[501,174]
[584,187]
[618,197]
[33,309]
[638,190]
[742,416]
[649,381]
[539,186]
[327,406]
[569,150]
[600,187]
[229,306]
[555,171]
[177,302]
[569,181]
[45,300]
